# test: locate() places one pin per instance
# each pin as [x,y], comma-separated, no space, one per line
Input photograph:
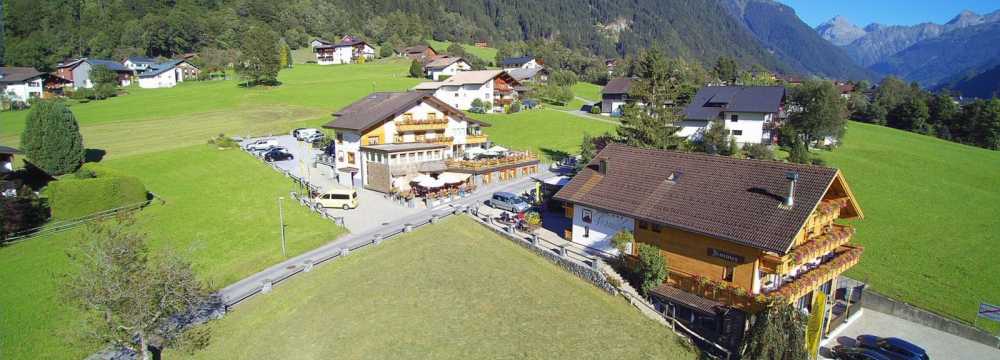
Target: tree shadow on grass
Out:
[94,155]
[554,155]
[265,84]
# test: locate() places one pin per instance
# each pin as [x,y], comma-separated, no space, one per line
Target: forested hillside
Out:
[42,32]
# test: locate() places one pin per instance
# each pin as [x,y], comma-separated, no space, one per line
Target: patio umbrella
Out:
[453,178]
[498,149]
[401,184]
[471,153]
[431,184]
[421,178]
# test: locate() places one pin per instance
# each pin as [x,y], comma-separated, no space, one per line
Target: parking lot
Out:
[938,344]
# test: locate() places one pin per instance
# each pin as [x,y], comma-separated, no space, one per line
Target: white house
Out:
[347,51]
[750,114]
[445,65]
[21,83]
[388,137]
[78,71]
[163,75]
[7,159]
[138,63]
[320,42]
[614,96]
[494,87]
[523,62]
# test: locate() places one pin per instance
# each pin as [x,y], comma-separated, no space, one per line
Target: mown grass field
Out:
[931,224]
[221,212]
[488,54]
[548,132]
[453,290]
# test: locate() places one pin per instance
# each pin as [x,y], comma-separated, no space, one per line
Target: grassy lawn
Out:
[149,120]
[588,91]
[545,131]
[487,54]
[221,211]
[931,228]
[455,290]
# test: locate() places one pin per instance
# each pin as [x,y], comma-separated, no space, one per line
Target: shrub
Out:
[71,198]
[416,69]
[51,139]
[82,94]
[652,267]
[385,51]
[758,151]
[21,212]
[223,142]
[515,107]
[595,109]
[615,281]
[621,239]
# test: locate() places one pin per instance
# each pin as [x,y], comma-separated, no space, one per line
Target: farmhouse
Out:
[164,75]
[528,75]
[78,71]
[390,137]
[348,50]
[496,88]
[138,63]
[419,52]
[735,233]
[614,96]
[320,42]
[21,83]
[522,62]
[445,65]
[750,114]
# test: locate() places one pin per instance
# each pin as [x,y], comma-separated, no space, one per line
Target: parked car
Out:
[337,197]
[564,164]
[893,348]
[303,133]
[277,154]
[314,137]
[262,144]
[508,201]
[856,353]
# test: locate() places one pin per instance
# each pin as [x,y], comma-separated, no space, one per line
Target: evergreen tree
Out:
[715,140]
[416,70]
[664,87]
[726,69]
[105,82]
[799,152]
[51,139]
[823,112]
[777,333]
[652,268]
[260,59]
[284,55]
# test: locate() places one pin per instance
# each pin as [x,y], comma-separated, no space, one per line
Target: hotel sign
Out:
[728,256]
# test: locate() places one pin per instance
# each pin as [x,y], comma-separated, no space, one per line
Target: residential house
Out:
[523,62]
[348,50]
[751,114]
[7,159]
[320,42]
[138,64]
[538,74]
[846,89]
[389,137]
[494,87]
[788,79]
[736,234]
[187,69]
[22,84]
[614,96]
[419,52]
[78,71]
[446,66]
[165,75]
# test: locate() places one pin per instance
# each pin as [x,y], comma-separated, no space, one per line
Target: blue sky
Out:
[888,12]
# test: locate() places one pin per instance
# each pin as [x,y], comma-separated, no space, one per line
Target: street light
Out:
[281,221]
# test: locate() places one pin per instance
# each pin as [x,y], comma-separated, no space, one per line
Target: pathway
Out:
[939,344]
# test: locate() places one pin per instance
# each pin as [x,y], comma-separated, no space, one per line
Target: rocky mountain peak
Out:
[965,18]
[840,31]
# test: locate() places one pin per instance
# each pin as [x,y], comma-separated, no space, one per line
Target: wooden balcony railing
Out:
[475,139]
[437,140]
[845,257]
[477,165]
[421,125]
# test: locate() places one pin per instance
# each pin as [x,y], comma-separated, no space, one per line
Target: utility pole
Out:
[281,220]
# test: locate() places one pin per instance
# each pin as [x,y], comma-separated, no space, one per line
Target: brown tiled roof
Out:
[442,61]
[692,301]
[12,74]
[720,197]
[381,106]
[617,86]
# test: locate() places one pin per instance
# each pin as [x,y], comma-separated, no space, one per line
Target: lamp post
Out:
[281,221]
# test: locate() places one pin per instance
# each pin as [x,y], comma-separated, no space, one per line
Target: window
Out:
[734,118]
[656,227]
[350,158]
[643,225]
[392,159]
[737,132]
[373,140]
[407,117]
[431,116]
[727,273]
[340,138]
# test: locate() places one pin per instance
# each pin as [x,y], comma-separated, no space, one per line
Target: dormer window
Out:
[734,118]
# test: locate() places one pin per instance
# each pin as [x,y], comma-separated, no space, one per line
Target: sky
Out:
[887,12]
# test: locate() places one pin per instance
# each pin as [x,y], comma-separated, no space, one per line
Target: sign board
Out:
[988,311]
[814,329]
[728,256]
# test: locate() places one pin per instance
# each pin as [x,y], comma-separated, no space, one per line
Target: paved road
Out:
[939,344]
[254,282]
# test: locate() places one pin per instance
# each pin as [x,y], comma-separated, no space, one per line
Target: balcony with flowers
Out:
[512,159]
[421,125]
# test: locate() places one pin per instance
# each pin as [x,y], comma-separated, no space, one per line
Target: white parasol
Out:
[453,178]
[431,184]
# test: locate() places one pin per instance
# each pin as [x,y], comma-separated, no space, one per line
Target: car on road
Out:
[843,352]
[508,201]
[314,137]
[261,144]
[893,348]
[302,133]
[337,197]
[277,154]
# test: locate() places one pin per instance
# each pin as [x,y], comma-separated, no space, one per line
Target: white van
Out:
[338,197]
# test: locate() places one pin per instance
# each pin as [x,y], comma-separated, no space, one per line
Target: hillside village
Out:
[351,195]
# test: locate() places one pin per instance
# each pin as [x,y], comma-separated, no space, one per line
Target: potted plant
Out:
[534,220]
[703,282]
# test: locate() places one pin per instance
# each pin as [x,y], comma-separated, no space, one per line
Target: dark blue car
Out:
[856,353]
[893,348]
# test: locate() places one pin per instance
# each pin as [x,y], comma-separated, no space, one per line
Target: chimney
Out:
[602,166]
[792,178]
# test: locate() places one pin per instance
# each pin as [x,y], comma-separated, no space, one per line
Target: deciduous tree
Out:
[651,268]
[51,139]
[777,333]
[822,112]
[726,69]
[259,60]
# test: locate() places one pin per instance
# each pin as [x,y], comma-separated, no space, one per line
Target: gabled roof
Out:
[110,64]
[711,100]
[617,86]
[141,60]
[720,197]
[11,74]
[442,61]
[348,41]
[160,68]
[7,150]
[518,61]
[522,74]
[323,41]
[70,63]
[417,49]
[473,77]
[381,106]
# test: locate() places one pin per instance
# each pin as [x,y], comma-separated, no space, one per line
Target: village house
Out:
[496,88]
[445,66]
[78,71]
[751,114]
[390,137]
[521,62]
[614,96]
[165,75]
[736,234]
[21,84]
[348,50]
[419,52]
[138,64]
[538,74]
[320,42]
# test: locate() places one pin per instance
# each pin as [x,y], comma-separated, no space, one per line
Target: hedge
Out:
[71,197]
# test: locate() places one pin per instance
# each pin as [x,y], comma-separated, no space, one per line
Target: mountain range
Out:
[933,55]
